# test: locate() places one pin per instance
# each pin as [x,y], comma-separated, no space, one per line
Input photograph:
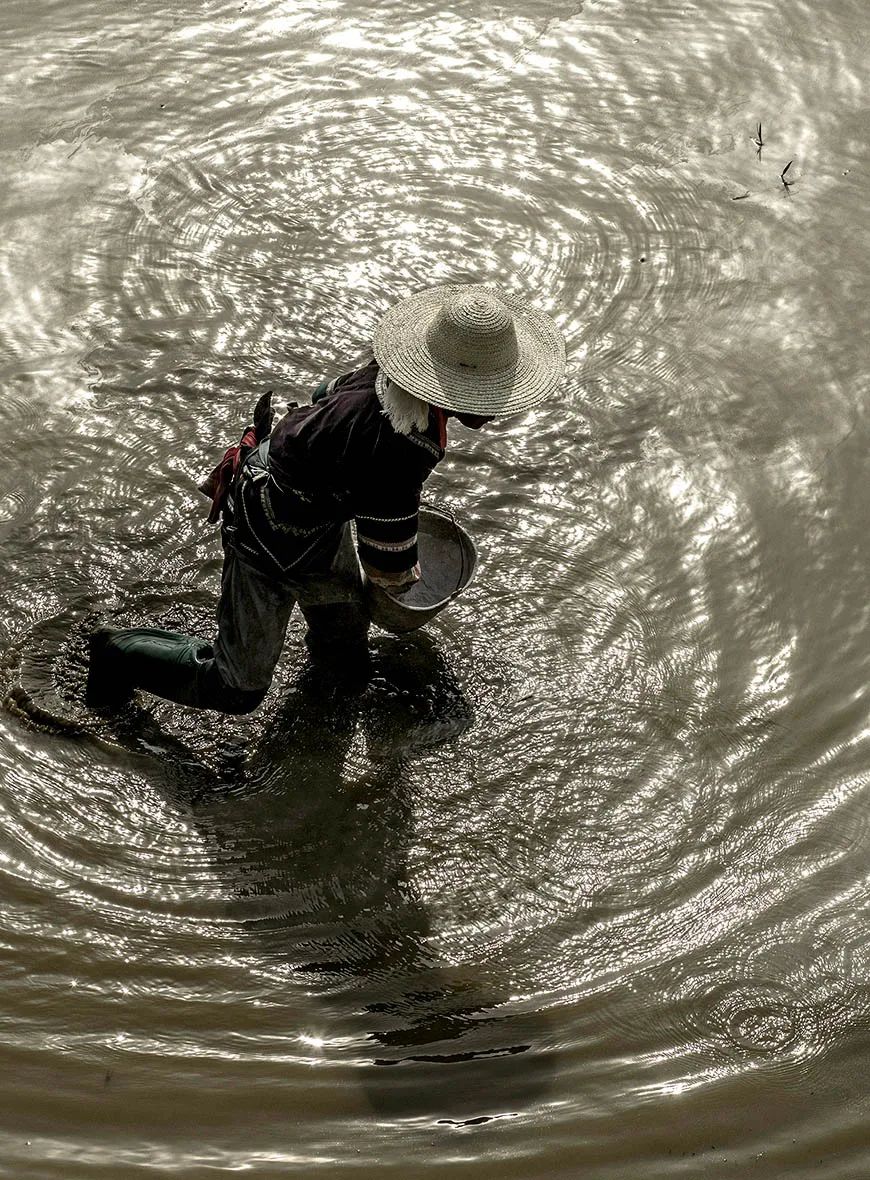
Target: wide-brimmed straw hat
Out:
[471,348]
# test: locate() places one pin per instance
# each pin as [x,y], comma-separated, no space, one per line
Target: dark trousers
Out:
[233,674]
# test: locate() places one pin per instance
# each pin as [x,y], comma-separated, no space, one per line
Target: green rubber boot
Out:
[165,663]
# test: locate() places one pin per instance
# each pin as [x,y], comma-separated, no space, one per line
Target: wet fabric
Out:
[233,674]
[254,610]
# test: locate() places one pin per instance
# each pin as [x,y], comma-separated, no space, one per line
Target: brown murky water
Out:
[582,888]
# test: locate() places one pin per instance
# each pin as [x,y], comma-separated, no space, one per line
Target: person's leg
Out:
[333,604]
[252,618]
[232,676]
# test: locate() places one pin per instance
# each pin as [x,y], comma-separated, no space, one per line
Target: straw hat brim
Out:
[401,351]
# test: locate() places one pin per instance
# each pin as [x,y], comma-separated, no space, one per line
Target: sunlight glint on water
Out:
[583,885]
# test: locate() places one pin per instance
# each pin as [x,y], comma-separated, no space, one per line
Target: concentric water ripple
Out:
[580,883]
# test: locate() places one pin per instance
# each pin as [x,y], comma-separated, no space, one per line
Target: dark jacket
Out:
[336,460]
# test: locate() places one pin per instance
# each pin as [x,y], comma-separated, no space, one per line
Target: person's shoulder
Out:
[360,380]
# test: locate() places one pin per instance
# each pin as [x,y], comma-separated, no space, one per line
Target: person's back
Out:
[345,441]
[339,459]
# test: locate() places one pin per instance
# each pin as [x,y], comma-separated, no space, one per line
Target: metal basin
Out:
[448,560]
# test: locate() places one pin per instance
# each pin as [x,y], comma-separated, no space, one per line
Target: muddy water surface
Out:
[581,887]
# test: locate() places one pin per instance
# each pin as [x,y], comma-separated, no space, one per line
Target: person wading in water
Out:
[286,496]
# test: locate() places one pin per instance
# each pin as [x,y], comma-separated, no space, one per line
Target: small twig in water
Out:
[758,141]
[786,183]
[742,197]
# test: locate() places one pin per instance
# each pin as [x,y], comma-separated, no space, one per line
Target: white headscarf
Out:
[404,411]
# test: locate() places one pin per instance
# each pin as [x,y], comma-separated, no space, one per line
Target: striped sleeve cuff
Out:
[388,543]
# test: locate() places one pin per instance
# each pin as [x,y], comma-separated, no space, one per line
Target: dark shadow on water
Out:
[310,830]
[319,856]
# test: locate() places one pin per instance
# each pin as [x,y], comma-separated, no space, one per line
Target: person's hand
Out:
[394,582]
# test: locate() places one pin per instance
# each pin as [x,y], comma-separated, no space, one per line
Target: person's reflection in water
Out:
[316,849]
